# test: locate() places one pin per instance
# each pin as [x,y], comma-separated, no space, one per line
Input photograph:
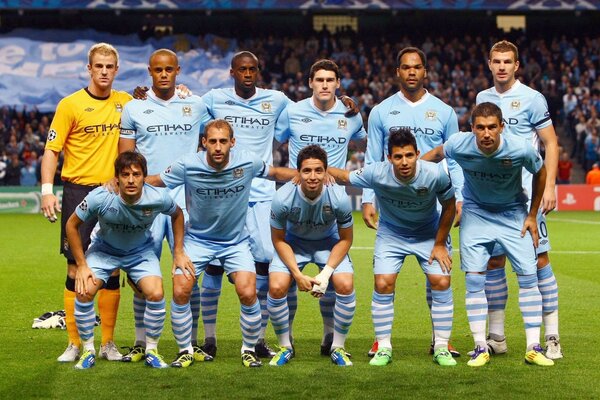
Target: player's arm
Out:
[434,155]
[548,136]
[84,273]
[286,254]
[281,174]
[341,176]
[155,180]
[375,152]
[440,251]
[126,145]
[180,259]
[350,105]
[50,203]
[537,193]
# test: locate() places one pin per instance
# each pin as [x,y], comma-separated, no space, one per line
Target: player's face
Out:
[404,159]
[503,67]
[218,145]
[131,182]
[245,75]
[312,174]
[103,70]
[487,130]
[411,72]
[164,69]
[324,84]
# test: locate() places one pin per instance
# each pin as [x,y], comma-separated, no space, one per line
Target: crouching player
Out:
[123,241]
[407,190]
[311,223]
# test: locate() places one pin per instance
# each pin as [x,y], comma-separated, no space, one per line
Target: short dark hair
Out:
[406,50]
[311,151]
[401,137]
[218,124]
[128,158]
[486,109]
[241,54]
[504,46]
[327,65]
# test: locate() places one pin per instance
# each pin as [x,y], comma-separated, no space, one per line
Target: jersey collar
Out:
[326,112]
[416,103]
[152,95]
[513,88]
[309,201]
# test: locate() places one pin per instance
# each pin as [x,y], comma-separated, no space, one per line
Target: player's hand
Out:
[139,92]
[183,262]
[305,283]
[458,214]
[183,91]
[441,255]
[369,215]
[531,226]
[350,105]
[548,200]
[50,207]
[112,186]
[82,280]
[296,180]
[328,180]
[322,279]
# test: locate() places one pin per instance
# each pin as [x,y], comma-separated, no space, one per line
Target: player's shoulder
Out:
[101,196]
[486,94]
[386,104]
[336,191]
[120,95]
[438,104]
[284,194]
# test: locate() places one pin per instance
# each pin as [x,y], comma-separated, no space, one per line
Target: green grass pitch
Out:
[33,276]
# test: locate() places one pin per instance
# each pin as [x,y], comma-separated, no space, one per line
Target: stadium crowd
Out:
[564,69]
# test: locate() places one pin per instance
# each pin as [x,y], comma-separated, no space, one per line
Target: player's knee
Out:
[384,286]
[542,260]
[439,282]
[85,298]
[181,293]
[344,287]
[155,294]
[475,282]
[277,289]
[247,297]
[496,262]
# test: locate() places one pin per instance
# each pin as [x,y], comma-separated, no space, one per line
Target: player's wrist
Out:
[326,272]
[47,188]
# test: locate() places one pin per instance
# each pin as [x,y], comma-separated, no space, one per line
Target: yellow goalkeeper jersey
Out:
[87,129]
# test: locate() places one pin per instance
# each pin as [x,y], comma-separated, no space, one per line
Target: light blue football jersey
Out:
[308,219]
[524,110]
[217,201]
[493,182]
[164,130]
[409,209]
[302,124]
[125,228]
[253,121]
[430,120]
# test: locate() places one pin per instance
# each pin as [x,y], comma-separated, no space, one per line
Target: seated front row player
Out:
[407,190]
[495,213]
[124,241]
[311,222]
[217,184]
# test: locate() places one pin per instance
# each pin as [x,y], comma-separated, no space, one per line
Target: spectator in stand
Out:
[13,171]
[593,176]
[565,166]
[591,148]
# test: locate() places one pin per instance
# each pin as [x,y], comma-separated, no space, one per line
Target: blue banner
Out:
[41,67]
[305,4]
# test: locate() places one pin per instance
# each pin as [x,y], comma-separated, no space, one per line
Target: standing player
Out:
[311,223]
[495,214]
[429,119]
[86,128]
[526,115]
[162,128]
[321,120]
[217,186]
[408,192]
[124,241]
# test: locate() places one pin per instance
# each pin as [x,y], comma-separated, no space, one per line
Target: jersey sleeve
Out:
[533,160]
[375,151]
[208,100]
[362,178]
[90,205]
[205,115]
[278,213]
[361,133]
[128,128]
[260,168]
[343,211]
[168,204]
[174,175]
[539,114]
[444,186]
[282,126]
[63,122]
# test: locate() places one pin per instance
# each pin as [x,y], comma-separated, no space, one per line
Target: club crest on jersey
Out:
[506,162]
[266,106]
[342,124]
[146,212]
[89,109]
[118,107]
[187,111]
[422,191]
[515,105]
[238,173]
[430,115]
[295,210]
[51,135]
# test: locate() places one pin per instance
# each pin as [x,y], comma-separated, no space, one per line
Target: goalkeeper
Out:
[311,222]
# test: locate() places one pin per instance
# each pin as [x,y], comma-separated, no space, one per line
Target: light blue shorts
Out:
[391,249]
[544,242]
[257,224]
[312,251]
[481,231]
[137,265]
[234,257]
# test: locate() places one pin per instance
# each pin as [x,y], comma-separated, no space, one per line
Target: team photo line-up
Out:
[133,176]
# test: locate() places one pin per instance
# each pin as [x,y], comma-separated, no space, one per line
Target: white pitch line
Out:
[576,221]
[552,251]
